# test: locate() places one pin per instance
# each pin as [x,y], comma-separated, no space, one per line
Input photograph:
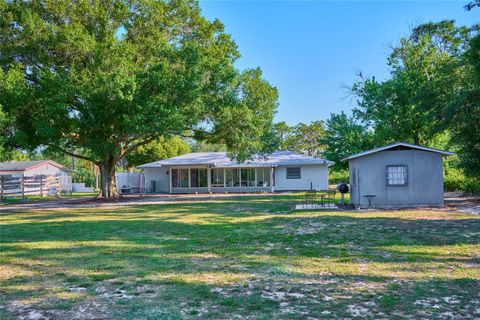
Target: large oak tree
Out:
[97,79]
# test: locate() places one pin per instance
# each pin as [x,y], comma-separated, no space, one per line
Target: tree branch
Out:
[73,154]
[125,151]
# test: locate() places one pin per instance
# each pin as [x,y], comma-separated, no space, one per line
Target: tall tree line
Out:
[431,98]
[98,80]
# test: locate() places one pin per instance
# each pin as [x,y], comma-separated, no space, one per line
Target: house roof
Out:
[220,159]
[28,165]
[398,145]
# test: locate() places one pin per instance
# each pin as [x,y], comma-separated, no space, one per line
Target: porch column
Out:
[271,180]
[189,179]
[171,178]
[209,175]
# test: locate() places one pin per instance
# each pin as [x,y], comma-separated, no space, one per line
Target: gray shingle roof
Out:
[220,159]
[398,144]
[24,165]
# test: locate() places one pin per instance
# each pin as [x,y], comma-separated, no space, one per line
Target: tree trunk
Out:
[107,180]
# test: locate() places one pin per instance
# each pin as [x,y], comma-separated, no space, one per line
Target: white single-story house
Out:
[397,175]
[32,168]
[216,172]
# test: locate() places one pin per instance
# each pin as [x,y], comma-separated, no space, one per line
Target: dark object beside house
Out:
[342,188]
[398,175]
[125,190]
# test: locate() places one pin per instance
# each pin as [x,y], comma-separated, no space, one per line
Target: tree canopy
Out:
[302,138]
[465,114]
[100,79]
[426,75]
[345,136]
[159,149]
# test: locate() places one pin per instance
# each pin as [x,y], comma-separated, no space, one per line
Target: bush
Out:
[84,175]
[471,186]
[336,177]
[453,180]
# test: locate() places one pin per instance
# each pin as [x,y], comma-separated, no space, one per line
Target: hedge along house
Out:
[397,175]
[216,172]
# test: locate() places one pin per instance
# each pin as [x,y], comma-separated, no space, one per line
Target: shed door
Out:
[354,186]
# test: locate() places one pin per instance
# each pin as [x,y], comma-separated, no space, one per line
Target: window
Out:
[263,177]
[248,177]
[232,177]
[179,178]
[217,177]
[396,175]
[198,178]
[293,173]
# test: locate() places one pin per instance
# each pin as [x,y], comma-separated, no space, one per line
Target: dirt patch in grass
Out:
[238,258]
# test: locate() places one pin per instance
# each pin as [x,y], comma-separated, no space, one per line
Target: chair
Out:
[330,196]
[310,197]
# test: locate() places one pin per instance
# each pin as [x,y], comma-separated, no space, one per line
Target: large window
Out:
[263,177]
[294,173]
[232,177]
[198,178]
[217,177]
[179,178]
[248,177]
[396,175]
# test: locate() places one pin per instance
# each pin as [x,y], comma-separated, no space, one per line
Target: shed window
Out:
[396,175]
[293,173]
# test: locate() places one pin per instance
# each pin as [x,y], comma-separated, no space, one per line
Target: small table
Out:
[369,198]
[310,197]
[322,199]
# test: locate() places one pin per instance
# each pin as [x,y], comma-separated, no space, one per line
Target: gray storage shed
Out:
[397,175]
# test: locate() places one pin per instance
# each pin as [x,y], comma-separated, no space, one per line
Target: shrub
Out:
[453,180]
[338,176]
[84,175]
[471,186]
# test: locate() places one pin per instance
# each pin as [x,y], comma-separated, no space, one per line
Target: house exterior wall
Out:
[312,176]
[161,178]
[315,174]
[222,190]
[44,169]
[425,179]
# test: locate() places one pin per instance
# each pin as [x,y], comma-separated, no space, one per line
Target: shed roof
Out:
[27,165]
[220,159]
[398,145]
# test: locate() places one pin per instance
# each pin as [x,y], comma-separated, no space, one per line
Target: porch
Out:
[206,179]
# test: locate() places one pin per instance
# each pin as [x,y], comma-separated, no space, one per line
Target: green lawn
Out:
[36,198]
[244,258]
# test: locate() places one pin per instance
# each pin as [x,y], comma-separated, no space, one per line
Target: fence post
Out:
[41,186]
[57,185]
[23,186]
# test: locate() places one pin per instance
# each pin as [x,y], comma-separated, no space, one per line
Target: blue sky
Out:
[312,50]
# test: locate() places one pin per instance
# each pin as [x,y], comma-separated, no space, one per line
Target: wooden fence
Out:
[24,186]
